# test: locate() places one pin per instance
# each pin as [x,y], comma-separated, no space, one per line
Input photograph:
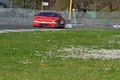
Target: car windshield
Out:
[48,14]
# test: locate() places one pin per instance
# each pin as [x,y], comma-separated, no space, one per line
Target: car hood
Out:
[44,18]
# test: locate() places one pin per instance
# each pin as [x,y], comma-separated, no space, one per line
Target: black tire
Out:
[58,24]
[62,24]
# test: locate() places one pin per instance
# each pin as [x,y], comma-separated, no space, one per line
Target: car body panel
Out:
[48,19]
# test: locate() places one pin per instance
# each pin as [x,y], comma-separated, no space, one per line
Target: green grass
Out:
[37,55]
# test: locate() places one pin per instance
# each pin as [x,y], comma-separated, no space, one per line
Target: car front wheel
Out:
[62,23]
[58,24]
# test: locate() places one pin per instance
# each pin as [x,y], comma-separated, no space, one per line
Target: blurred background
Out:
[80,13]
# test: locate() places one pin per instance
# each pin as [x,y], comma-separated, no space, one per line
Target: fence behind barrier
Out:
[79,20]
[16,16]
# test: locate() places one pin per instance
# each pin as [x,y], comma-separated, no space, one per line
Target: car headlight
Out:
[35,21]
[53,22]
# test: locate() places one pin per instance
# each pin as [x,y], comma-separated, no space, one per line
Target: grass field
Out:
[60,55]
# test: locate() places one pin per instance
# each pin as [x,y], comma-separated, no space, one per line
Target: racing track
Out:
[22,28]
[6,27]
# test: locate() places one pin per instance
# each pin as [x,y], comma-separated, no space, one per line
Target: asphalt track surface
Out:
[17,27]
[6,27]
[22,28]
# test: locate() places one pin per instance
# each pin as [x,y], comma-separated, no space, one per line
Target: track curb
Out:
[26,30]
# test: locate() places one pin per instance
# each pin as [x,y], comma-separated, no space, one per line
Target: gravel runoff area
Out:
[87,53]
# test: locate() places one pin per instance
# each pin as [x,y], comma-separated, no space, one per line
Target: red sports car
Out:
[49,19]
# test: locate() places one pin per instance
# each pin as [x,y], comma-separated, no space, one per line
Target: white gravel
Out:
[87,53]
